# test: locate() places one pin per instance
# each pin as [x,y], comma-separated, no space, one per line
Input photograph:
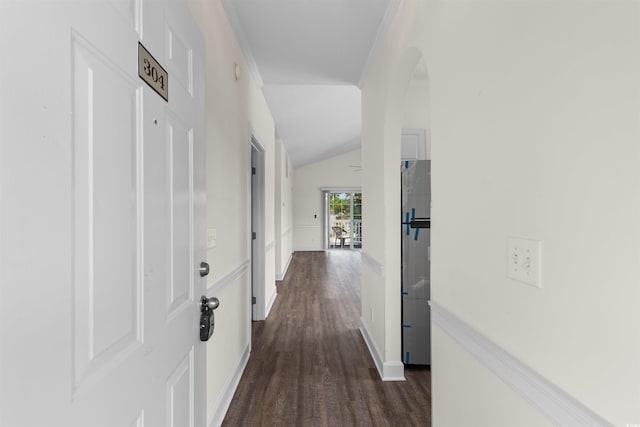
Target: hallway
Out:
[309,365]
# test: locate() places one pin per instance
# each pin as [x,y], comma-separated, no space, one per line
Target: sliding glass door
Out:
[344,220]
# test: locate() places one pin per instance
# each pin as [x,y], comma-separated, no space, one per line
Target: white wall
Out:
[416,112]
[534,118]
[235,109]
[307,197]
[283,211]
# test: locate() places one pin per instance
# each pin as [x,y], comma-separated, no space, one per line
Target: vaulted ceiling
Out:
[310,57]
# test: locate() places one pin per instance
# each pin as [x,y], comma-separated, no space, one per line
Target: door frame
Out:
[325,192]
[256,223]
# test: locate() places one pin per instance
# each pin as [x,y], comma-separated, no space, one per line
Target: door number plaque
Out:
[152,72]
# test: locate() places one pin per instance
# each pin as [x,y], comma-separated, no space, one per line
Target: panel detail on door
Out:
[131,11]
[180,394]
[107,212]
[180,143]
[179,60]
[139,421]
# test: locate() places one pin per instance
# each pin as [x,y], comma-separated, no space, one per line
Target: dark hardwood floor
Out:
[309,364]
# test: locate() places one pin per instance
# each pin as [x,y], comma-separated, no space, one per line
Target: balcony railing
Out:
[348,235]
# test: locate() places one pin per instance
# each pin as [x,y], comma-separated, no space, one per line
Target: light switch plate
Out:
[524,261]
[211,238]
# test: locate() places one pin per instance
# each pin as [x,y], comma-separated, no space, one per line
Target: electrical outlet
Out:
[524,261]
[212,236]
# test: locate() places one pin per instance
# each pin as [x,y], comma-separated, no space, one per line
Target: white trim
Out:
[342,189]
[557,405]
[326,208]
[255,141]
[267,309]
[257,224]
[389,14]
[289,231]
[373,263]
[423,149]
[229,7]
[388,371]
[393,371]
[371,345]
[270,246]
[249,285]
[283,273]
[224,401]
[228,279]
[309,249]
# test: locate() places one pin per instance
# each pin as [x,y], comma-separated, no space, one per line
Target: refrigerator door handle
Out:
[420,223]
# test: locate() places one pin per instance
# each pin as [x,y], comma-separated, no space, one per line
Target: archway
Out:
[407,107]
[393,98]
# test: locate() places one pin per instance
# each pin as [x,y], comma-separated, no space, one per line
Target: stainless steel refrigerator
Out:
[416,241]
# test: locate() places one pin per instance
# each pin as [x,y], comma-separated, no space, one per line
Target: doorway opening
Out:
[415,152]
[343,219]
[257,227]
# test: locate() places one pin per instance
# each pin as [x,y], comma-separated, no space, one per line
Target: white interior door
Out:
[102,216]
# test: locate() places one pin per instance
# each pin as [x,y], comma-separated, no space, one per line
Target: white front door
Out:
[102,221]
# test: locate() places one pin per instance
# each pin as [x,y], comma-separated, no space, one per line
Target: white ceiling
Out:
[309,57]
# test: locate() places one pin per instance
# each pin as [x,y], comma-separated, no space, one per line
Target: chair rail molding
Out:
[558,406]
[228,279]
[269,246]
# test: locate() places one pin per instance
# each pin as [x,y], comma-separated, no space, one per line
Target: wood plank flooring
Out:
[309,364]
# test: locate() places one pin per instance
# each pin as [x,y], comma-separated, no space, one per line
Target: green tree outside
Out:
[340,204]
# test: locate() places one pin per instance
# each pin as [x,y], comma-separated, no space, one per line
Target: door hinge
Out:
[253,171]
[253,235]
[253,300]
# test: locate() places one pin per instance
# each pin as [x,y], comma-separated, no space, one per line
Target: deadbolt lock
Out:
[207,318]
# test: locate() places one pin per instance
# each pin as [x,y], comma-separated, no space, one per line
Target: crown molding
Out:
[389,14]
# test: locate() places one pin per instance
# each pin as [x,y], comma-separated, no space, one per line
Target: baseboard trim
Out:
[283,273]
[272,299]
[393,371]
[557,405]
[373,263]
[308,249]
[388,371]
[224,401]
